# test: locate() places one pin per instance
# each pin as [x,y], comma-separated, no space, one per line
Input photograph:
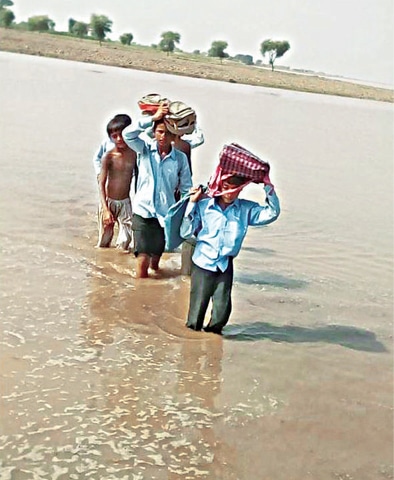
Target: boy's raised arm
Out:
[196,138]
[268,213]
[131,136]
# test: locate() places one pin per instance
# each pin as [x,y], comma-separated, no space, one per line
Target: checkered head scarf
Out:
[235,160]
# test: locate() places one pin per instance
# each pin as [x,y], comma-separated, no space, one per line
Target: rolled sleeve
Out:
[131,137]
[268,213]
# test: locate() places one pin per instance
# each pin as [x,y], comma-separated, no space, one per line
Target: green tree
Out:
[71,23]
[6,17]
[40,23]
[80,29]
[246,59]
[218,49]
[21,26]
[126,38]
[6,3]
[274,49]
[100,26]
[168,41]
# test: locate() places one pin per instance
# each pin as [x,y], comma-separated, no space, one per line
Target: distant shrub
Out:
[126,38]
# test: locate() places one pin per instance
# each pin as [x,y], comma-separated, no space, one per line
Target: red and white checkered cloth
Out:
[237,160]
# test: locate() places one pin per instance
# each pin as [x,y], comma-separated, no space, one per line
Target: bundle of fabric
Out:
[150,103]
[180,119]
[235,160]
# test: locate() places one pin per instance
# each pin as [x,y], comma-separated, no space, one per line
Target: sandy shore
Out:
[146,58]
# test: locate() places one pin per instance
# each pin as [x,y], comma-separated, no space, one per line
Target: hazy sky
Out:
[351,38]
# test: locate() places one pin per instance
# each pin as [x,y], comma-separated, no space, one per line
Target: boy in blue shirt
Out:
[162,169]
[220,225]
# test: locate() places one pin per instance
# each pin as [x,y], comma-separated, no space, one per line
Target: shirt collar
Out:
[156,149]
[213,203]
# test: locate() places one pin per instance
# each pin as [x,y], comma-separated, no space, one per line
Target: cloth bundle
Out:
[237,160]
[180,119]
[150,103]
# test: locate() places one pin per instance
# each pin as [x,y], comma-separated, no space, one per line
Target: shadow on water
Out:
[349,337]
[270,279]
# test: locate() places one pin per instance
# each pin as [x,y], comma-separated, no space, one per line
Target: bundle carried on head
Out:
[180,119]
[150,103]
[235,160]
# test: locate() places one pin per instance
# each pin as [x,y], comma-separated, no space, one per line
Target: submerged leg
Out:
[154,262]
[142,265]
[202,284]
[221,300]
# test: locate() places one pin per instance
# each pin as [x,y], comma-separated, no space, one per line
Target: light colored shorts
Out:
[122,213]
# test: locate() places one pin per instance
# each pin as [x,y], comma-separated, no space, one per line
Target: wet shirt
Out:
[220,233]
[158,178]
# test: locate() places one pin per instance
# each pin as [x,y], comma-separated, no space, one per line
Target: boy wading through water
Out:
[115,177]
[220,225]
[162,169]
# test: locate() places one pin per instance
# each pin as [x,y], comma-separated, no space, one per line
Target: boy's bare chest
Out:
[122,164]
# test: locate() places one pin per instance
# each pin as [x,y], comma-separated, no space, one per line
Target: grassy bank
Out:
[198,66]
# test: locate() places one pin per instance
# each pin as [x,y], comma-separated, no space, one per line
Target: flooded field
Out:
[100,379]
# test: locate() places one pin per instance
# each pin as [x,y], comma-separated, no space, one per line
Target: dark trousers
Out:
[148,236]
[188,247]
[204,286]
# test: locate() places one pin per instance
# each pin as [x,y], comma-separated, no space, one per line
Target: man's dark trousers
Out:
[205,285]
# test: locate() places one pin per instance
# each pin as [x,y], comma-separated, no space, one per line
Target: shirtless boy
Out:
[117,171]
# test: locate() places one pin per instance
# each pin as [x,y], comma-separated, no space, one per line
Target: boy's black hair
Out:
[236,180]
[118,123]
[158,122]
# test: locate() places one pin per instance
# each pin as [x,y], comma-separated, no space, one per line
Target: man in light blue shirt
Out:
[220,225]
[162,169]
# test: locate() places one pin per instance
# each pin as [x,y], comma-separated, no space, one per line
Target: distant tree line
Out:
[100,26]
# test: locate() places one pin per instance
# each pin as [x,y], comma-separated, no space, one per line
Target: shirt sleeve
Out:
[185,178]
[268,213]
[190,221]
[196,138]
[131,135]
[145,121]
[98,157]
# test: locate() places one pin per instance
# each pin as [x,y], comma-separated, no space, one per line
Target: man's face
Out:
[163,137]
[229,197]
[117,138]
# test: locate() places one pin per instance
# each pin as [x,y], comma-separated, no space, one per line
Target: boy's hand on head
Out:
[267,182]
[161,111]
